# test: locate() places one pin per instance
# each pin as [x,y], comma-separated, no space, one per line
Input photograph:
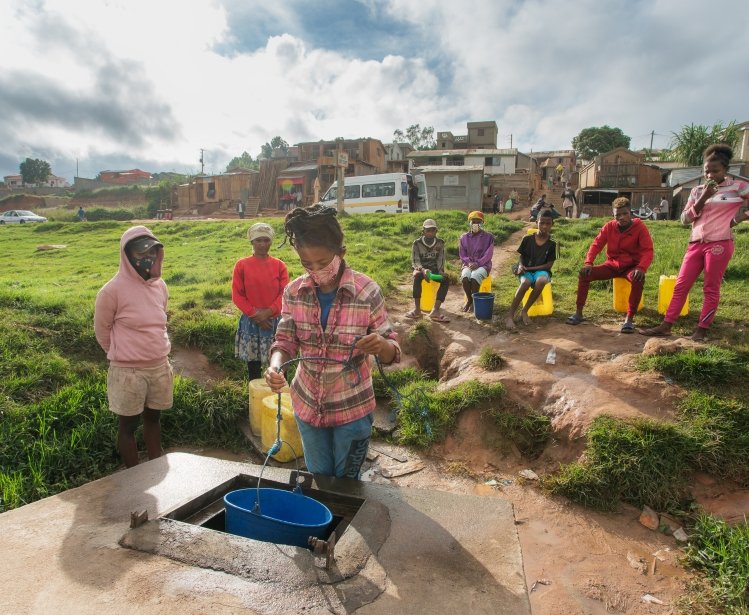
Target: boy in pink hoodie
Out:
[130,325]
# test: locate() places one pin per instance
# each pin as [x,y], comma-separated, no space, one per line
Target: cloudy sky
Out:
[119,84]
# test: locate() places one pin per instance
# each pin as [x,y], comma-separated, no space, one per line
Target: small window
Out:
[375,190]
[212,189]
[481,132]
[404,188]
[331,194]
[489,162]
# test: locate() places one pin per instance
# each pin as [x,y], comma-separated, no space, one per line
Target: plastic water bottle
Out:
[434,277]
[551,358]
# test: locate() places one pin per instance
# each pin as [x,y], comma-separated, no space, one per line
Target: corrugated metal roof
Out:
[677,177]
[310,166]
[450,169]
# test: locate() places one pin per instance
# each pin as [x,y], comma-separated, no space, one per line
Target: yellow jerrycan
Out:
[289,430]
[544,305]
[428,295]
[622,288]
[666,286]
[258,390]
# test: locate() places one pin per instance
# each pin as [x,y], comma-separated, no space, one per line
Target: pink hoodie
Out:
[130,313]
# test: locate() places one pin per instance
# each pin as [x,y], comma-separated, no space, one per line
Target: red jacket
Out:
[259,283]
[624,250]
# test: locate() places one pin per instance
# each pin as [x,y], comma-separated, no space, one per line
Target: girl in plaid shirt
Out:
[325,313]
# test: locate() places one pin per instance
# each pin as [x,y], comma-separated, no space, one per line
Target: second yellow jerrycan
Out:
[622,288]
[289,430]
[544,305]
[666,286]
[258,390]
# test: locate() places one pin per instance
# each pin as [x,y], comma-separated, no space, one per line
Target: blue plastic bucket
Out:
[483,305]
[285,517]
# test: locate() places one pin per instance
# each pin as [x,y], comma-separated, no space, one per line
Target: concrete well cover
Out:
[411,551]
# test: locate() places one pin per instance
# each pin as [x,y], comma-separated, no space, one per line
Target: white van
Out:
[387,193]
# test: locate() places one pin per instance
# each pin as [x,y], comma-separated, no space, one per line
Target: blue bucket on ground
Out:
[285,517]
[483,305]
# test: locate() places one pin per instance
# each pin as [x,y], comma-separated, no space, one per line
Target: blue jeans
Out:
[336,451]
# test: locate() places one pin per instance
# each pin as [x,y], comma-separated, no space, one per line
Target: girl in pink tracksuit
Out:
[713,209]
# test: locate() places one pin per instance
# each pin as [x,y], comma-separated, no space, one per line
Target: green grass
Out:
[645,462]
[490,360]
[721,553]
[711,367]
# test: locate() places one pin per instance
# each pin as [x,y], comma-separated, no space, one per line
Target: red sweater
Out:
[624,250]
[258,283]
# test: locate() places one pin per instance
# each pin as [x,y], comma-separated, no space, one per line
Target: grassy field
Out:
[56,432]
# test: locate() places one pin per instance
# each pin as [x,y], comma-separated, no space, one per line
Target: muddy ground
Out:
[576,561]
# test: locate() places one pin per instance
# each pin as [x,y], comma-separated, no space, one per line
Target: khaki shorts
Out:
[131,389]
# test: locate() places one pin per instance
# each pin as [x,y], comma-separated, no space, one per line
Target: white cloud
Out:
[155,81]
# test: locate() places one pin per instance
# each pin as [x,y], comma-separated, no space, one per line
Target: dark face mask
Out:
[142,265]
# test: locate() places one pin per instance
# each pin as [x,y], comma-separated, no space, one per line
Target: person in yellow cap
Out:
[428,257]
[475,250]
[257,286]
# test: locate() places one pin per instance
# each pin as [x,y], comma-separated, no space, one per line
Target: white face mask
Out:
[475,227]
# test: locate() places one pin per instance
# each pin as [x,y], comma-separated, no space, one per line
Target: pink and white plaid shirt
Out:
[327,394]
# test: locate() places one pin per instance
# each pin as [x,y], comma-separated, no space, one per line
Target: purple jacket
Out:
[478,248]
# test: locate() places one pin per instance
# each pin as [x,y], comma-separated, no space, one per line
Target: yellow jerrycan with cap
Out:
[289,430]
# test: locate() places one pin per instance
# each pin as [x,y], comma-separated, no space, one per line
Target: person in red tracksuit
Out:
[629,252]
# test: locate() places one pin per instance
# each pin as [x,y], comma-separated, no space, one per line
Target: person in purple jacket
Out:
[130,326]
[476,251]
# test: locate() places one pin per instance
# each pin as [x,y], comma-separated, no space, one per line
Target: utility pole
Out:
[76,168]
[201,161]
[341,164]
[510,140]
[652,134]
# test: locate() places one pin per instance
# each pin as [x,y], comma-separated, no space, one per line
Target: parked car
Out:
[20,216]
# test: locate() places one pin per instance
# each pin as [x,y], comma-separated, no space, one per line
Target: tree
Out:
[598,140]
[244,161]
[419,138]
[688,144]
[35,171]
[276,144]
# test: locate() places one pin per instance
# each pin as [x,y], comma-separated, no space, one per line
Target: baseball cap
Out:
[429,223]
[142,244]
[476,215]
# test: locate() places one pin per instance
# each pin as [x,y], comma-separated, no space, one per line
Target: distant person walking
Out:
[240,209]
[664,213]
[413,194]
[568,201]
[495,203]
[81,214]
[713,208]
[130,325]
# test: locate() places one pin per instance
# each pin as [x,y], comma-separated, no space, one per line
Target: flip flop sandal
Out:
[628,327]
[439,318]
[413,316]
[574,320]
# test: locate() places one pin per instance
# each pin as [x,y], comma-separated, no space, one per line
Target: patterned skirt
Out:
[251,343]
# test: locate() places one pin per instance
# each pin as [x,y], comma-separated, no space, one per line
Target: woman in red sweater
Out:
[257,286]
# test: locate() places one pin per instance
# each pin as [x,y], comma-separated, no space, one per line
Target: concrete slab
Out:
[411,551]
